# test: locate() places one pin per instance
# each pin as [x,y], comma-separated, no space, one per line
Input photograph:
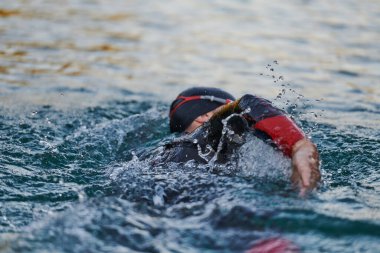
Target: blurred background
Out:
[92,49]
[84,83]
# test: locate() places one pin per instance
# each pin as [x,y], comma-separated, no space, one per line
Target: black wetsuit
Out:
[219,138]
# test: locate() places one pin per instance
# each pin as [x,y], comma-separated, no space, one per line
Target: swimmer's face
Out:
[201,119]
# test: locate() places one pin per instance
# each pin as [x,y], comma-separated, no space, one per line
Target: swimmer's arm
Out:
[288,137]
[293,143]
[305,163]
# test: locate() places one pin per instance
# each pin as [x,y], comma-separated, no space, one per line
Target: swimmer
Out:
[201,114]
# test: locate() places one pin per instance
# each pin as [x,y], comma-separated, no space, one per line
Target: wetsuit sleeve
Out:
[263,116]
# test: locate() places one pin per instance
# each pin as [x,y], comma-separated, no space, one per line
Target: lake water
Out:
[86,85]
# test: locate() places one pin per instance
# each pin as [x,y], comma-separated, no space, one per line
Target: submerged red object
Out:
[274,245]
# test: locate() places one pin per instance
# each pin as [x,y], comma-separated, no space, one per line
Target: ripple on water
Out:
[84,187]
[70,130]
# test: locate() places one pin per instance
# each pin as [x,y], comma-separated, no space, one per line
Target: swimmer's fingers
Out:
[315,174]
[310,176]
[295,178]
[305,161]
[301,176]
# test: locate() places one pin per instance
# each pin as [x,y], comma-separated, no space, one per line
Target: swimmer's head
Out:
[193,103]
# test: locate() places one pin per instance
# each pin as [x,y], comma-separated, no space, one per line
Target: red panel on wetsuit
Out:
[283,131]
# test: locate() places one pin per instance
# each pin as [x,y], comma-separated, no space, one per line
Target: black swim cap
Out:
[195,102]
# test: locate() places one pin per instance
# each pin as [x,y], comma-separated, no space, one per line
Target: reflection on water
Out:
[79,85]
[324,48]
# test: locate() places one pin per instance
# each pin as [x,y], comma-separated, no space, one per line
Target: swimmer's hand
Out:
[305,163]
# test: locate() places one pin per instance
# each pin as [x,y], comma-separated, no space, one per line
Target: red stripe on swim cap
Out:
[185,100]
[191,98]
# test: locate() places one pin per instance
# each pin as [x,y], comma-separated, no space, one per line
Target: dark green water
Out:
[69,183]
[85,87]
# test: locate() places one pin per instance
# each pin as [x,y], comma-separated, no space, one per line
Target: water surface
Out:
[85,86]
